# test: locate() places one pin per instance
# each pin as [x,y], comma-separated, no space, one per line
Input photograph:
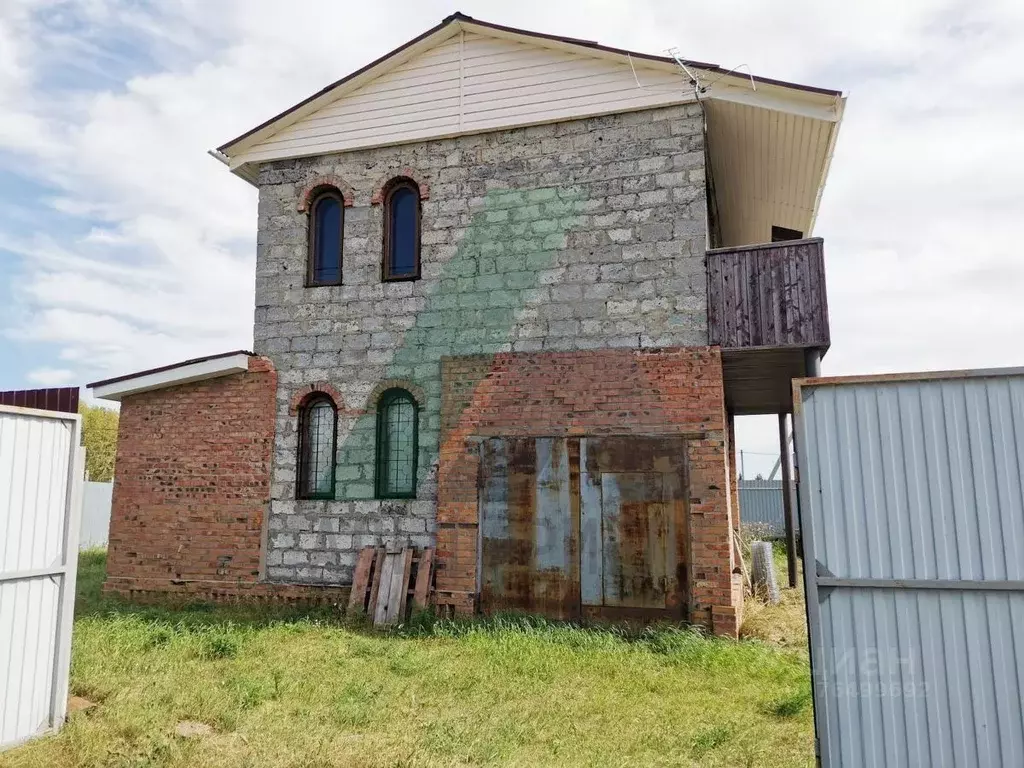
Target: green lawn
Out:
[282,689]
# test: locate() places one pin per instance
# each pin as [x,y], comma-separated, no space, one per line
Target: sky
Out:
[123,245]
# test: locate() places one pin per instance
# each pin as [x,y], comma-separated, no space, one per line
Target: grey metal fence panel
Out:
[911,492]
[761,505]
[95,515]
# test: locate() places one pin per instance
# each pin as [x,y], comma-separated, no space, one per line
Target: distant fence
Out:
[95,515]
[761,503]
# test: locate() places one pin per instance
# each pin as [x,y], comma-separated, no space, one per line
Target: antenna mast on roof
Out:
[694,80]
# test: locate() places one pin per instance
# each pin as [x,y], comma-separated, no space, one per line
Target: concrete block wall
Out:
[586,234]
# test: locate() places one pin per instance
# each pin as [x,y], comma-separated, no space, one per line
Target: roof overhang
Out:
[173,375]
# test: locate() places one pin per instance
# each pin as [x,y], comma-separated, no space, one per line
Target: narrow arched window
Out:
[326,233]
[402,231]
[318,418]
[397,445]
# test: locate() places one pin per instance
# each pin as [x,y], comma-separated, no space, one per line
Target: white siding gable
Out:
[471,83]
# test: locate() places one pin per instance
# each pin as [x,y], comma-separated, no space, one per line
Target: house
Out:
[511,290]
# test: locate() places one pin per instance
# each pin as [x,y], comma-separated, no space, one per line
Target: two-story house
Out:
[511,290]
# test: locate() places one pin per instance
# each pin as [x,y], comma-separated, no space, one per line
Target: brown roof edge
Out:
[457,16]
[170,367]
[639,55]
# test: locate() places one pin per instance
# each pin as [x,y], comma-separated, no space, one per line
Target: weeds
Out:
[792,705]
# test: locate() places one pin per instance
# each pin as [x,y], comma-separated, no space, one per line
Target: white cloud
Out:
[50,377]
[919,215]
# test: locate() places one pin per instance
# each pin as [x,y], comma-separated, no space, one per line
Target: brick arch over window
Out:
[417,393]
[320,183]
[304,394]
[381,187]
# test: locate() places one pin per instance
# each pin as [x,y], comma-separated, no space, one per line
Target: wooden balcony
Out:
[767,310]
[770,295]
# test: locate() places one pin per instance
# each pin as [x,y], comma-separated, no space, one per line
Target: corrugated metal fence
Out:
[761,505]
[41,471]
[912,493]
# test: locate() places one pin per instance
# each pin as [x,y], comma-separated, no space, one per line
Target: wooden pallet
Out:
[387,583]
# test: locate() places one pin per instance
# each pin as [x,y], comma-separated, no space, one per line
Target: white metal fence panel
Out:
[41,470]
[95,515]
[911,492]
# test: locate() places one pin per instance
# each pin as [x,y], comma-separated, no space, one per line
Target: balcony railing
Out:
[768,296]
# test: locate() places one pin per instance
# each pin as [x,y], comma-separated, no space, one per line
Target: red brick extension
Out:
[617,391]
[191,490]
[194,466]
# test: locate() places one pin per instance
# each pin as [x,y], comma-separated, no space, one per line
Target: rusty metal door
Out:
[608,539]
[529,526]
[634,537]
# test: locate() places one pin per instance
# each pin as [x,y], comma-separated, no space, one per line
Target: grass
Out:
[784,624]
[284,689]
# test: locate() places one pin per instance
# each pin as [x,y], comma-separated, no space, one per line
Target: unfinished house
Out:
[511,290]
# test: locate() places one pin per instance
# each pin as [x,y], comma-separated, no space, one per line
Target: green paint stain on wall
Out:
[474,309]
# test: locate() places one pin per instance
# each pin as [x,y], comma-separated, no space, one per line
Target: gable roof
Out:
[459,22]
[466,76]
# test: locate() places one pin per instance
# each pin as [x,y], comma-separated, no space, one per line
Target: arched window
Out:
[318,418]
[402,231]
[326,233]
[397,445]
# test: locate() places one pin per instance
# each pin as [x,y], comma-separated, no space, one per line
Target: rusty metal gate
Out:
[584,526]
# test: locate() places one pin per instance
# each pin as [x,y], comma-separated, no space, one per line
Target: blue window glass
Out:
[326,256]
[403,232]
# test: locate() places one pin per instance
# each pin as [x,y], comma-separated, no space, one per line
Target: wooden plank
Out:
[421,592]
[404,589]
[378,563]
[392,587]
[378,571]
[361,580]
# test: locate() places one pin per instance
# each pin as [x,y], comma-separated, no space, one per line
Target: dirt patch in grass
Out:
[278,689]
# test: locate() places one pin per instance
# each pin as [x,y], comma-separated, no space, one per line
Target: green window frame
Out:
[318,442]
[397,445]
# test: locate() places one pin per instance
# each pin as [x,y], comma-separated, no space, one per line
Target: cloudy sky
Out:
[123,245]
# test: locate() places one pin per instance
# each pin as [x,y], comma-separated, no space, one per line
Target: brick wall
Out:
[191,489]
[602,392]
[584,234]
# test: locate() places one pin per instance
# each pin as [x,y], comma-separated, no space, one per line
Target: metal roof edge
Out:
[165,368]
[881,378]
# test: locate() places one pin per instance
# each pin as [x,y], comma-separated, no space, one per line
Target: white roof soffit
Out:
[813,103]
[769,166]
[171,376]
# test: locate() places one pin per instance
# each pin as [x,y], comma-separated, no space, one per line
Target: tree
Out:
[99,435]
